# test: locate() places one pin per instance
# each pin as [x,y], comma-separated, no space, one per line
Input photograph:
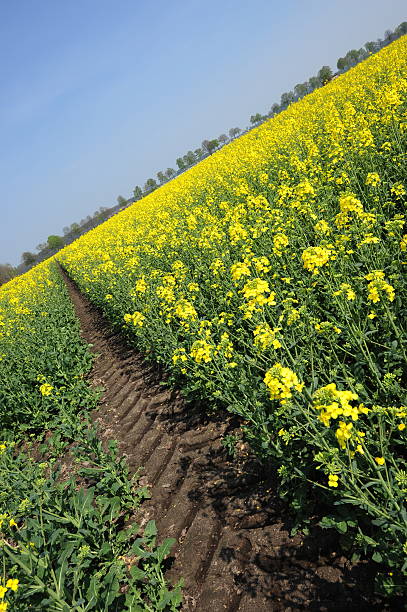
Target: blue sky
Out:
[97,96]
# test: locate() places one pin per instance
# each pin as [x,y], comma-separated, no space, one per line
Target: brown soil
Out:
[233,546]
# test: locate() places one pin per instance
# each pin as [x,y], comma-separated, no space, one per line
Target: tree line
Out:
[325,74]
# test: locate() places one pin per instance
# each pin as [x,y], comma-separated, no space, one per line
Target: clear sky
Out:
[96,96]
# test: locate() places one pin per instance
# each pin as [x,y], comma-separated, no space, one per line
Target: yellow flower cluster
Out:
[12,585]
[265,336]
[372,179]
[280,382]
[398,190]
[280,242]
[202,351]
[238,270]
[347,290]
[46,389]
[332,403]
[185,310]
[325,327]
[315,257]
[333,480]
[137,318]
[141,285]
[376,285]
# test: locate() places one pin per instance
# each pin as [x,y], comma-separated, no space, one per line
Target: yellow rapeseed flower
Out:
[333,480]
[46,389]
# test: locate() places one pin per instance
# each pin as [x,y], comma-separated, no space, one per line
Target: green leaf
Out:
[165,548]
[150,529]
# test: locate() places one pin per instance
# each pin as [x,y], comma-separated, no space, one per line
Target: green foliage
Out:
[66,541]
[229,443]
[28,258]
[66,502]
[325,74]
[137,192]
[6,273]
[44,348]
[256,119]
[55,242]
[150,185]
[121,200]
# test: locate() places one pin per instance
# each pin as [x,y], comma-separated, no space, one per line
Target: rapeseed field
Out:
[270,280]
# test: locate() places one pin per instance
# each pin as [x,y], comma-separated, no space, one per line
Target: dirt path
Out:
[233,547]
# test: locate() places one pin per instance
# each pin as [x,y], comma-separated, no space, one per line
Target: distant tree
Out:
[287,98]
[150,185]
[205,146]
[55,242]
[161,177]
[7,272]
[137,192]
[389,36]
[189,158]
[180,163]
[28,258]
[341,64]
[233,132]
[100,215]
[301,89]
[401,29]
[256,119]
[325,74]
[75,229]
[41,246]
[352,57]
[169,172]
[121,200]
[363,54]
[371,46]
[314,83]
[223,138]
[275,109]
[213,145]
[66,230]
[198,154]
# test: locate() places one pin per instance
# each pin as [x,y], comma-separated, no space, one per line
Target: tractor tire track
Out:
[233,548]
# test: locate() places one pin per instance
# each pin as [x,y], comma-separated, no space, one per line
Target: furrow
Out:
[129,425]
[196,544]
[157,462]
[138,431]
[148,444]
[130,401]
[180,507]
[221,571]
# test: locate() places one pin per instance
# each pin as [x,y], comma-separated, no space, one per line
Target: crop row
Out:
[63,496]
[270,280]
